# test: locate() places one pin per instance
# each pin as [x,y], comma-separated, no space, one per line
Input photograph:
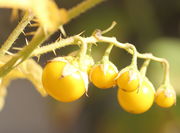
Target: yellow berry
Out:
[138,101]
[63,87]
[165,98]
[103,75]
[128,80]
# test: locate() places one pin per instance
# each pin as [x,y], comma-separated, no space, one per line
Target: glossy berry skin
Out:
[63,88]
[165,98]
[138,101]
[128,80]
[103,77]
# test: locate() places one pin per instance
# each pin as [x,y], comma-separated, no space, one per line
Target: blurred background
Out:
[152,25]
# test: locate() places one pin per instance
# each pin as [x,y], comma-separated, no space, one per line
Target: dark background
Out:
[152,25]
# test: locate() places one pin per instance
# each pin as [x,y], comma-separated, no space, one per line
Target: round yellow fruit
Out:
[103,75]
[165,98]
[128,80]
[65,88]
[138,101]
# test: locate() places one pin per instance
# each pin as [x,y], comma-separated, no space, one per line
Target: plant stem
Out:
[40,36]
[22,55]
[107,53]
[16,32]
[144,67]
[134,53]
[112,41]
[53,46]
[109,28]
[83,47]
[81,8]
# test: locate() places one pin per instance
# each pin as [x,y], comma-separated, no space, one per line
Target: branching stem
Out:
[144,67]
[96,38]
[16,32]
[40,37]
[107,52]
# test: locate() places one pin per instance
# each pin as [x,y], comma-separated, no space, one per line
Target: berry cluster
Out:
[66,79]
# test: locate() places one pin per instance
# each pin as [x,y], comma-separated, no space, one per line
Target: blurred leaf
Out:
[29,69]
[45,10]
